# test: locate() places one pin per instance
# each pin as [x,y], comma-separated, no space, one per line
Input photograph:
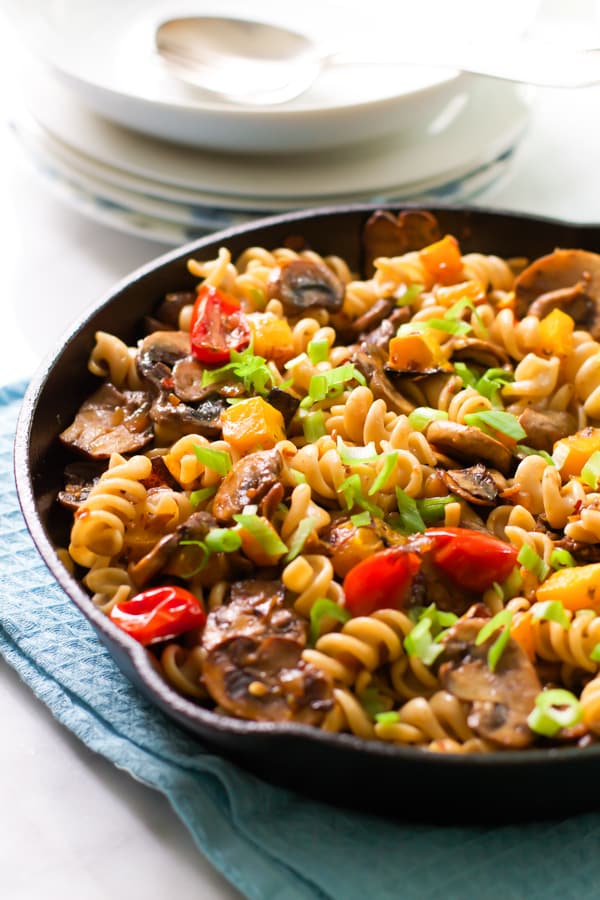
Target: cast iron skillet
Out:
[401,781]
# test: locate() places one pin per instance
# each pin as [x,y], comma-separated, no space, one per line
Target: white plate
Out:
[105,54]
[140,215]
[481,125]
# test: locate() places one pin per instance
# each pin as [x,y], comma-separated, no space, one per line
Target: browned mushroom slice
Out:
[187,377]
[370,361]
[161,347]
[545,428]
[110,421]
[253,666]
[500,700]
[388,235]
[169,553]
[249,481]
[469,444]
[566,279]
[173,418]
[583,553]
[303,284]
[170,309]
[285,402]
[80,478]
[482,353]
[475,485]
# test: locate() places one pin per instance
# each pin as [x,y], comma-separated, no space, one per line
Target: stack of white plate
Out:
[110,130]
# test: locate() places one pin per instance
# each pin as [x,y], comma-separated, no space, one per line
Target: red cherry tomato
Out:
[218,326]
[471,559]
[159,613]
[380,582]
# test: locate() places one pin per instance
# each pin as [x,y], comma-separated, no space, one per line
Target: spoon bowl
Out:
[257,64]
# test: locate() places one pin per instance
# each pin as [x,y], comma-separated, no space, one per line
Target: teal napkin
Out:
[270,843]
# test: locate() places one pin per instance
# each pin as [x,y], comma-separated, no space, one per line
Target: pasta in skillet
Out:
[370,504]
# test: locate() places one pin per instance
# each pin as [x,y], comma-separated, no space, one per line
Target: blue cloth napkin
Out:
[270,843]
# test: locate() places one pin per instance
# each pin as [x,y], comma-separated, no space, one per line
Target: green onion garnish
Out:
[299,476]
[387,718]
[420,417]
[450,326]
[313,425]
[561,559]
[205,557]
[419,642]
[318,351]
[411,521]
[202,494]
[386,470]
[217,460]
[262,533]
[432,509]
[529,451]
[458,308]
[552,611]
[468,376]
[301,534]
[251,370]
[302,357]
[352,455]
[590,472]
[371,701]
[331,384]
[222,540]
[321,608]
[595,654]
[410,294]
[554,709]
[534,563]
[503,620]
[503,422]
[361,520]
[258,297]
[351,488]
[512,585]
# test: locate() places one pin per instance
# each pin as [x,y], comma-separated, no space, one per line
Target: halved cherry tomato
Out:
[218,326]
[159,613]
[380,582]
[471,559]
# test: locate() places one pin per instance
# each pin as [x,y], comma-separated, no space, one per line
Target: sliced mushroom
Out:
[499,701]
[169,553]
[475,485]
[170,309]
[567,280]
[303,284]
[80,478]
[110,421]
[187,377]
[388,235]
[482,353]
[370,361]
[160,476]
[469,444]
[545,428]
[582,553]
[173,418]
[249,481]
[259,672]
[163,348]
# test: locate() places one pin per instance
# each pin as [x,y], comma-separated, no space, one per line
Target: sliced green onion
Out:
[361,520]
[490,389]
[318,351]
[217,460]
[251,370]
[552,611]
[222,540]
[411,521]
[590,472]
[291,363]
[351,488]
[560,454]
[595,654]
[372,702]
[503,422]
[419,642]
[258,297]
[386,470]
[331,384]
[534,563]
[496,374]
[300,536]
[299,476]
[313,425]
[529,451]
[561,559]
[468,376]
[512,585]
[262,533]
[432,509]
[420,417]
[321,608]
[202,494]
[502,620]
[554,709]
[352,455]
[410,294]
[205,557]
[387,718]
[450,326]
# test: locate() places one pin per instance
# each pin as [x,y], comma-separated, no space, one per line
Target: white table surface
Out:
[71,825]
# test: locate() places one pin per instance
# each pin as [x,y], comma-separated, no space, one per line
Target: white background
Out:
[71,825]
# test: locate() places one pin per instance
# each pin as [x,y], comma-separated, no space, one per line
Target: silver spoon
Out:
[256,64]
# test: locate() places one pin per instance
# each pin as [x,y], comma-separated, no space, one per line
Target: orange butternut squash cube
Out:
[556,333]
[577,587]
[442,260]
[252,424]
[572,453]
[272,337]
[415,352]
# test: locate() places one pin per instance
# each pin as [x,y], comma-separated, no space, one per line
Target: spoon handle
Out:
[528,61]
